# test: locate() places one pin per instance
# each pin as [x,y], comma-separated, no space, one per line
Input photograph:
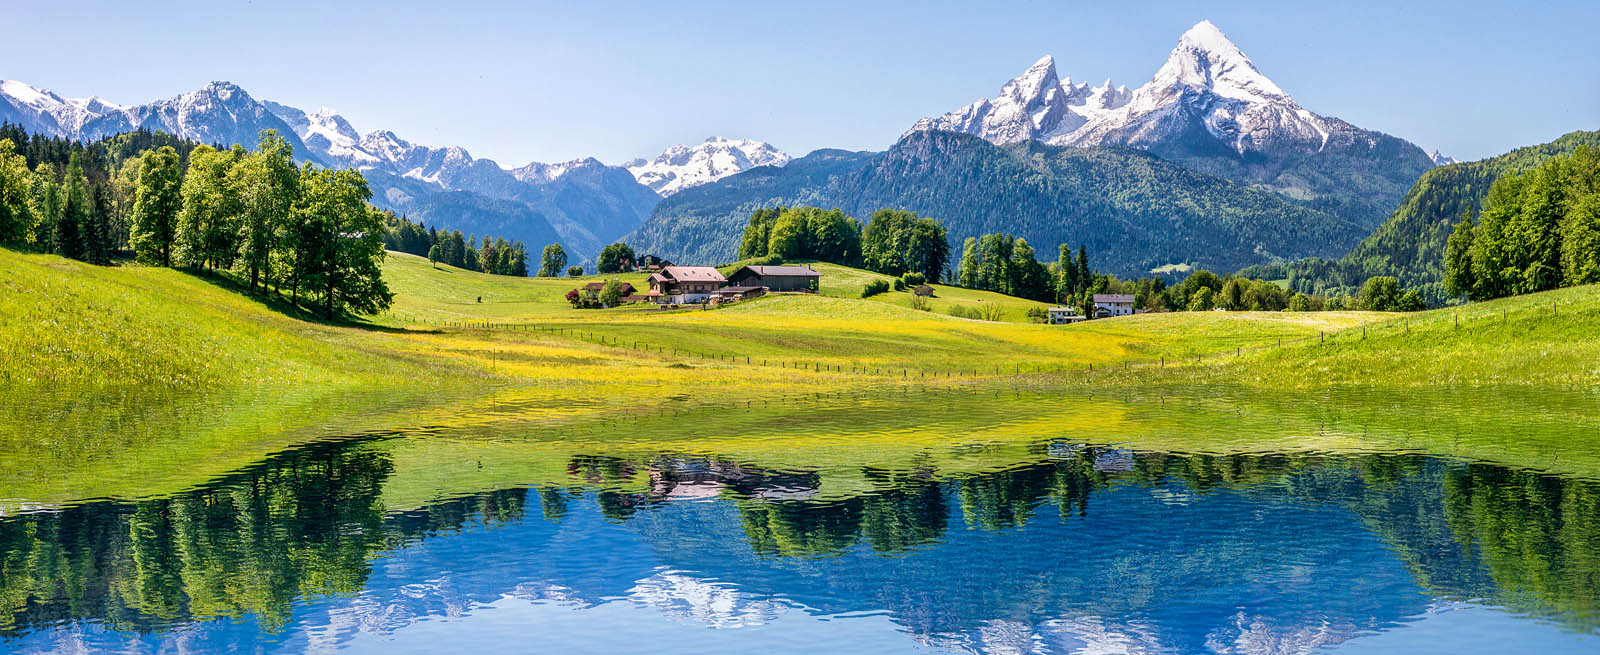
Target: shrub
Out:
[1410,301]
[611,294]
[914,278]
[921,304]
[899,284]
[989,312]
[1037,314]
[959,312]
[574,271]
[874,288]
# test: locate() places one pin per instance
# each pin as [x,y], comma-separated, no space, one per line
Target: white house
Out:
[1063,315]
[1107,305]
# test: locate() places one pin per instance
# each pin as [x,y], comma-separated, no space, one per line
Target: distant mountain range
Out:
[584,204]
[1135,211]
[1245,175]
[1209,108]
[1223,168]
[683,167]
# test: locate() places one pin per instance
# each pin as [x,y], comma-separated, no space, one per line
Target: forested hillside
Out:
[1140,211]
[1411,244]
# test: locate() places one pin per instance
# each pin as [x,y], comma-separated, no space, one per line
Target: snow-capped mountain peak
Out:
[29,95]
[683,166]
[1206,85]
[1036,82]
[1205,58]
[1441,159]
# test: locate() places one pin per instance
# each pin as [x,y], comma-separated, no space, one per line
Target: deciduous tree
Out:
[155,207]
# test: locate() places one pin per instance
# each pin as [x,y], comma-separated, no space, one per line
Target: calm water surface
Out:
[830,525]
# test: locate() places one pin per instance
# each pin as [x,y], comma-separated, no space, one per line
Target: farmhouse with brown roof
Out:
[680,285]
[778,278]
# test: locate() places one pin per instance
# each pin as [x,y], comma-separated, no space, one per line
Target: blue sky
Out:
[554,81]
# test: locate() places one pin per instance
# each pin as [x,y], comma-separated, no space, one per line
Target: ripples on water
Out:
[994,523]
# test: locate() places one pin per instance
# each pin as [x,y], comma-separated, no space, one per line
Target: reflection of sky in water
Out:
[1296,567]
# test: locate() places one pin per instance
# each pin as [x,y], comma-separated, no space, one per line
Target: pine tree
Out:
[1083,274]
[1458,258]
[76,211]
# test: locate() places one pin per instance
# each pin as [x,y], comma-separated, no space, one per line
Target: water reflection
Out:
[1078,548]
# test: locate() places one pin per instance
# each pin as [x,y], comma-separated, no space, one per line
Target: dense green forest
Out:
[307,231]
[1539,230]
[1138,212]
[1411,245]
[893,242]
[304,232]
[494,255]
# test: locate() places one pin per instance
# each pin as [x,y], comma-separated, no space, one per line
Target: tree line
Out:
[1005,264]
[305,230]
[495,256]
[69,198]
[893,242]
[1538,231]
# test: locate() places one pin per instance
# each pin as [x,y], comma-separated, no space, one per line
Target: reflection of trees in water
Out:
[304,523]
[309,522]
[1464,531]
[1537,536]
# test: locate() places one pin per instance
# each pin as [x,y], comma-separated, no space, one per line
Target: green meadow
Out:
[107,366]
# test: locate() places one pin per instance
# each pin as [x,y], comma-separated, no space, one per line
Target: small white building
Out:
[1063,315]
[1107,305]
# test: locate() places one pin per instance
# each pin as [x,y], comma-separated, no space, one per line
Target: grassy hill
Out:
[107,366]
[1542,340]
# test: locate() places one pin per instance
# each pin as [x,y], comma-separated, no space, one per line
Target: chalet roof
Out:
[693,274]
[1113,297]
[781,271]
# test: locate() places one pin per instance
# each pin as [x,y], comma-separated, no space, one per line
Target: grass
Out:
[104,366]
[1542,340]
[68,323]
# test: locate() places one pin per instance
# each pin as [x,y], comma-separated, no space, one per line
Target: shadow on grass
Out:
[277,302]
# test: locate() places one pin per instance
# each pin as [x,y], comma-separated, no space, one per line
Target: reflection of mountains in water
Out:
[1148,552]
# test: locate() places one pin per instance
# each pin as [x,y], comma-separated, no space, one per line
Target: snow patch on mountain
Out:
[1441,159]
[682,166]
[1207,83]
[1035,105]
[538,173]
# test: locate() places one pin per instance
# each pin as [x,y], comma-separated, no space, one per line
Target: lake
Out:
[1021,521]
